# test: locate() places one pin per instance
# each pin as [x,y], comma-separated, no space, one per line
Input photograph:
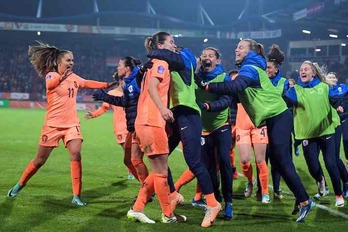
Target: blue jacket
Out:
[129,100]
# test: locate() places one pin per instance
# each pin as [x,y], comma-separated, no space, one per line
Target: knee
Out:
[39,162]
[76,156]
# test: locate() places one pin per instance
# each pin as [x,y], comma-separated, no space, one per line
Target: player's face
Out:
[241,51]
[306,73]
[271,69]
[209,60]
[168,44]
[66,62]
[331,79]
[122,69]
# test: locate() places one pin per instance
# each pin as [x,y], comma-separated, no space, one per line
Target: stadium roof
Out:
[320,16]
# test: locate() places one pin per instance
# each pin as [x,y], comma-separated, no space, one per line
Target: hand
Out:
[340,109]
[99,95]
[202,105]
[112,83]
[88,115]
[292,82]
[200,82]
[167,115]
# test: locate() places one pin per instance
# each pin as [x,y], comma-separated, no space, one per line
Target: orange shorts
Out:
[252,136]
[50,136]
[153,140]
[132,138]
[121,138]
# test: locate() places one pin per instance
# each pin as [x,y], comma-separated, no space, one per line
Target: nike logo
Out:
[328,137]
[223,130]
[183,128]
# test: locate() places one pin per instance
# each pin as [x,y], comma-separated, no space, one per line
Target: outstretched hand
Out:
[88,115]
[99,95]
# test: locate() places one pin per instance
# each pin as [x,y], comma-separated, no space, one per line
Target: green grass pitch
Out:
[45,203]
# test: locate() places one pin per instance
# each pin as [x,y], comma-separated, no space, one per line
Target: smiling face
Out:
[209,60]
[242,50]
[168,43]
[331,79]
[66,61]
[271,69]
[306,73]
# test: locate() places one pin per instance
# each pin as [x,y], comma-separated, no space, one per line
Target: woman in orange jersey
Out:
[251,138]
[62,121]
[120,126]
[153,113]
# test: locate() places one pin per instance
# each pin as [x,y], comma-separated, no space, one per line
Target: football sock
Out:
[163,193]
[145,192]
[263,176]
[140,168]
[185,178]
[28,173]
[76,173]
[247,170]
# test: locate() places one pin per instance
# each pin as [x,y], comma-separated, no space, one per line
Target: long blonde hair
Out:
[44,58]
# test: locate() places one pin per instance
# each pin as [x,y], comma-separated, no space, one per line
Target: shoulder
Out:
[51,75]
[248,71]
[157,63]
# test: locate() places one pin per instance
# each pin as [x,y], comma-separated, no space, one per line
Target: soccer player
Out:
[315,122]
[187,127]
[62,121]
[150,125]
[216,129]
[264,105]
[251,138]
[128,68]
[119,123]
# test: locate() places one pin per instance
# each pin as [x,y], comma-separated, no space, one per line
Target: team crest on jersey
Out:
[160,69]
[49,76]
[305,142]
[339,89]
[202,141]
[130,88]
[44,138]
[119,137]
[75,84]
[237,137]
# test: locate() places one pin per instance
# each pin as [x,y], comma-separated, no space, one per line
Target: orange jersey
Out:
[120,123]
[61,98]
[148,113]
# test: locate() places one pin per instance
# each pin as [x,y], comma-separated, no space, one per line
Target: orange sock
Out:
[145,192]
[198,195]
[76,177]
[132,170]
[247,170]
[263,176]
[185,178]
[29,171]
[163,193]
[211,201]
[140,169]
